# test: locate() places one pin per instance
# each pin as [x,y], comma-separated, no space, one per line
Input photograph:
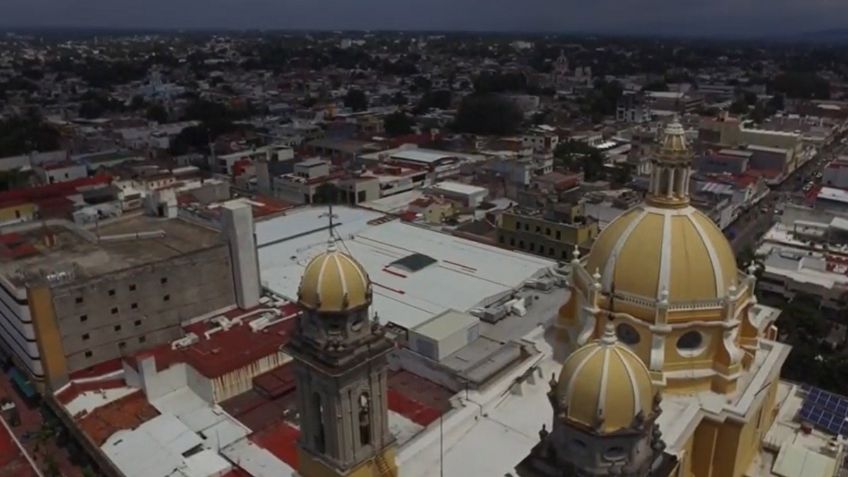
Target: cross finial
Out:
[330,216]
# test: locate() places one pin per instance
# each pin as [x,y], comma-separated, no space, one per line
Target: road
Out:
[751,225]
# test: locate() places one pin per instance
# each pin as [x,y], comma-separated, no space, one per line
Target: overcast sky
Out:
[628,16]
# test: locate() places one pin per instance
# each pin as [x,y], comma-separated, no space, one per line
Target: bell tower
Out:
[340,361]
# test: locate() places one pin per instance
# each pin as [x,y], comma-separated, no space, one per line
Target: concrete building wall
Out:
[18,213]
[123,312]
[542,237]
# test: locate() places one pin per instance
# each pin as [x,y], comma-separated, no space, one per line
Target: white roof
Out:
[446,324]
[830,193]
[154,449]
[795,461]
[465,273]
[255,460]
[460,188]
[421,155]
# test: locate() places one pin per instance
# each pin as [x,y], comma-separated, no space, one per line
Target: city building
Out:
[75,297]
[553,234]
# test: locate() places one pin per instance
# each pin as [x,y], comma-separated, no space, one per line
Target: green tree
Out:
[488,114]
[356,100]
[397,124]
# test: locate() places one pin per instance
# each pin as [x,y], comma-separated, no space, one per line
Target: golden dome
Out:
[334,282]
[649,249]
[605,386]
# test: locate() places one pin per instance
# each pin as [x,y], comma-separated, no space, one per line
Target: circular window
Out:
[627,334]
[615,453]
[690,343]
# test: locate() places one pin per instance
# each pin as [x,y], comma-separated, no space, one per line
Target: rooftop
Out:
[125,243]
[14,461]
[464,274]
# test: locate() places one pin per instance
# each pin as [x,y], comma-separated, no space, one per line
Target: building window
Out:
[691,344]
[318,412]
[517,225]
[163,280]
[501,238]
[564,255]
[364,419]
[142,339]
[85,337]
[132,287]
[166,298]
[134,306]
[512,241]
[137,323]
[532,247]
[112,292]
[117,327]
[83,318]
[115,310]
[78,300]
[122,345]
[526,227]
[551,251]
[548,231]
[627,334]
[558,235]
[88,354]
[538,229]
[521,244]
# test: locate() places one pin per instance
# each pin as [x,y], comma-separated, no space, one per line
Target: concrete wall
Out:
[123,312]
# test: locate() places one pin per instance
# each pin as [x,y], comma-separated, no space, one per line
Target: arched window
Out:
[364,419]
[318,410]
[665,181]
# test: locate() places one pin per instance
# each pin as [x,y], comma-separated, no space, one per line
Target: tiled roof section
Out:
[13,461]
[75,388]
[126,413]
[276,382]
[416,398]
[98,370]
[224,351]
[279,439]
[60,189]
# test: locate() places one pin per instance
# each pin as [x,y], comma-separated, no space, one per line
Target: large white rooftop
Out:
[463,274]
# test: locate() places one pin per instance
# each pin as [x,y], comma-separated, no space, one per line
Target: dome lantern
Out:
[672,169]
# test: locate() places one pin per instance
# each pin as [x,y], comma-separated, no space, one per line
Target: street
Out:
[752,224]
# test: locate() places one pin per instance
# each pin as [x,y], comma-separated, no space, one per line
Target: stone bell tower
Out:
[340,367]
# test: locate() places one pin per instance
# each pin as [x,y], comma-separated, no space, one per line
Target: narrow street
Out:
[41,445]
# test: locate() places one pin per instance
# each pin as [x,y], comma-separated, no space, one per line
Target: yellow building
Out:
[665,277]
[540,235]
[17,212]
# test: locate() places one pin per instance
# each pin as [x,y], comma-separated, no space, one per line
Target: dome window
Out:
[627,334]
[691,343]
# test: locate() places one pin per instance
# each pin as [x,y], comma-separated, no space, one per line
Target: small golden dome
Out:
[604,386]
[334,282]
[648,251]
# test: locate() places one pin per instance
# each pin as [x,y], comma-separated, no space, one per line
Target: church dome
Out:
[649,250]
[604,386]
[334,282]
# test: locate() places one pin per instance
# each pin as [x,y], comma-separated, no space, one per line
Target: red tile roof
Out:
[279,439]
[75,388]
[224,351]
[59,189]
[126,413]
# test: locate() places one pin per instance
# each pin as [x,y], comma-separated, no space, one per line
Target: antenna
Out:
[330,216]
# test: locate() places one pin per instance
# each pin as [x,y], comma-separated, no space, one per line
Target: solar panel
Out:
[825,410]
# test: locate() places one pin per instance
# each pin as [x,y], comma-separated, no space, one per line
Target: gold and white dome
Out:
[605,387]
[334,282]
[651,250]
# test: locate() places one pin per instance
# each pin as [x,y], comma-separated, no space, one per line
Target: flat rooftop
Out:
[464,274]
[125,243]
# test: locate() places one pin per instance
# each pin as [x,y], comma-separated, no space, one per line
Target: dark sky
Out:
[711,17]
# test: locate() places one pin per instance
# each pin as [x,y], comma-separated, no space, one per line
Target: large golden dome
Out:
[333,282]
[651,249]
[604,386]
